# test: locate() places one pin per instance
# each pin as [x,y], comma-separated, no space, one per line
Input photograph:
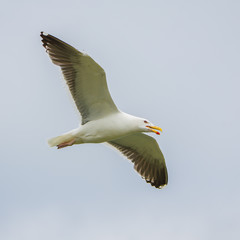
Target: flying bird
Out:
[102,121]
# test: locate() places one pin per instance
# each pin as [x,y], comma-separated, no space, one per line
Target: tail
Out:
[62,140]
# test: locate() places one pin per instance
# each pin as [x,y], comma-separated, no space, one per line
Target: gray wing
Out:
[85,79]
[146,155]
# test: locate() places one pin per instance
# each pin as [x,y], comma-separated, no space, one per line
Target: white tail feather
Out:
[60,139]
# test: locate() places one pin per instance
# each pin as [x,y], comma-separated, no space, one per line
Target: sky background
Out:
[175,63]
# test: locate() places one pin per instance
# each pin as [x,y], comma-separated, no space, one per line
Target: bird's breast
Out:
[104,130]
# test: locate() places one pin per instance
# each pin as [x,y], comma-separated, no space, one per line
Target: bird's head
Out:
[146,126]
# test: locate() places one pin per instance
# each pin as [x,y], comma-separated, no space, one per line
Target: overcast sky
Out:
[175,63]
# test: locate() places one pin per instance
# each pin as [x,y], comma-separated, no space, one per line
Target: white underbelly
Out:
[102,131]
[102,135]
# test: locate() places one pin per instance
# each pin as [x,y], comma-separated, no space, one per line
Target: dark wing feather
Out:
[146,156]
[85,79]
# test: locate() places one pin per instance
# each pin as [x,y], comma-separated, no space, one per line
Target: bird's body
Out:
[102,121]
[115,128]
[101,130]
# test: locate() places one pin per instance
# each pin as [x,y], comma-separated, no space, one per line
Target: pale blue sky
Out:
[175,63]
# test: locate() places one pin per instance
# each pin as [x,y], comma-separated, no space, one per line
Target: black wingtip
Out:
[42,34]
[45,39]
[49,39]
[161,181]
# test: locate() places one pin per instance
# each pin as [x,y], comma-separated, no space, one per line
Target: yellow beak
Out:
[155,127]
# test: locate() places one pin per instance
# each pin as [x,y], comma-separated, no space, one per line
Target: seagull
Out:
[102,121]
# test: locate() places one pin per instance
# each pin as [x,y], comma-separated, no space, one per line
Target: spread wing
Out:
[146,155]
[85,79]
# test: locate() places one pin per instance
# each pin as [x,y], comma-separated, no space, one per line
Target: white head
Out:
[146,126]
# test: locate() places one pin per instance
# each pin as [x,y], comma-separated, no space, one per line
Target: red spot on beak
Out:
[158,133]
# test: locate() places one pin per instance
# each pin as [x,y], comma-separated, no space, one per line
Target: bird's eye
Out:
[146,121]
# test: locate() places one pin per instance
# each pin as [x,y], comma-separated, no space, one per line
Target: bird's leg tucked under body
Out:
[66,144]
